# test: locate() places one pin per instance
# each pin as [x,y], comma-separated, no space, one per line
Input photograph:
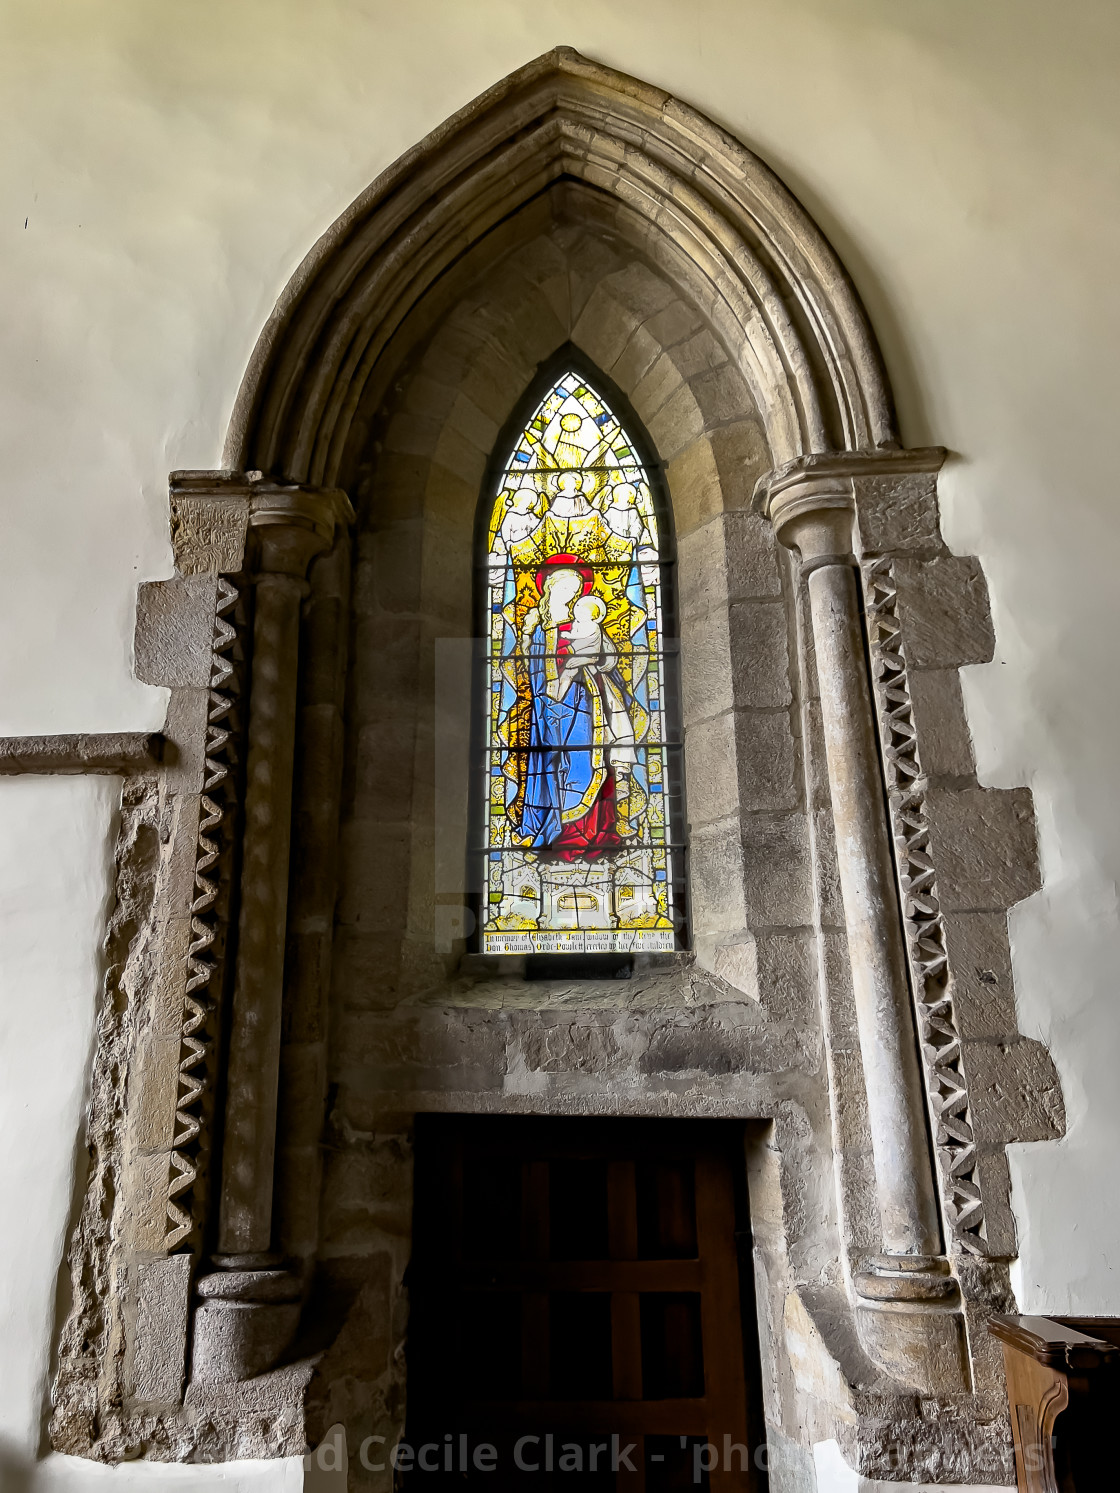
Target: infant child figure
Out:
[587,648]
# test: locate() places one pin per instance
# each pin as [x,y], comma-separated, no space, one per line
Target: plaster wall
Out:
[162,176]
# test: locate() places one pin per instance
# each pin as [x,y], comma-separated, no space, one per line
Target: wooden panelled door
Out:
[578,1311]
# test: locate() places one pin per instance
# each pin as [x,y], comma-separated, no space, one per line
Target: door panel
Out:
[577,1306]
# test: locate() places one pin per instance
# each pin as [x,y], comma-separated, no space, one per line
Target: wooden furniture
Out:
[576,1281]
[1063,1390]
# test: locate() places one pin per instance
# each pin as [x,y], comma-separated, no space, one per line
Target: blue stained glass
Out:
[571,541]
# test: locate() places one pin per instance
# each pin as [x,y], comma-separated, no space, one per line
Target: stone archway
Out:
[281,1007]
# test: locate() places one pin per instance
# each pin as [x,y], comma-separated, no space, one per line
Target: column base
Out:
[909,1322]
[247,1315]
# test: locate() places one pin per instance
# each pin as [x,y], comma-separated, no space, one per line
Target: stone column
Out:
[250,1304]
[811,505]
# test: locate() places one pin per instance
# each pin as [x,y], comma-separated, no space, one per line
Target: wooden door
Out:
[576,1306]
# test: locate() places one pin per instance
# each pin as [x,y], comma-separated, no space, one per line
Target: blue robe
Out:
[564,777]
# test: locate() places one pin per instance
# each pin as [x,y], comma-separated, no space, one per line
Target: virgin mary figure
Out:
[581,740]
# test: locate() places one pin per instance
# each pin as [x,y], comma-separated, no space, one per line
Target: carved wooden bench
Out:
[1063,1389]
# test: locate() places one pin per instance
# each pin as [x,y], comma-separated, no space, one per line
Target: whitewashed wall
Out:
[163,169]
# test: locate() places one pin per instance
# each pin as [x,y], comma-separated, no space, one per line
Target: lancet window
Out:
[580,770]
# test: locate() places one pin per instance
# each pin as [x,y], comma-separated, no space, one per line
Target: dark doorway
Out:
[582,1307]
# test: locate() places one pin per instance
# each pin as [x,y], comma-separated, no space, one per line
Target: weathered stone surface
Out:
[208,532]
[765,756]
[898,512]
[651,391]
[759,642]
[706,674]
[721,395]
[710,763]
[677,423]
[776,871]
[174,636]
[159,1354]
[716,864]
[730,558]
[982,841]
[980,966]
[121,753]
[943,608]
[1015,1092]
[944,740]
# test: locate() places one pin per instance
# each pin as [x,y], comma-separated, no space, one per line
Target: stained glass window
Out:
[580,766]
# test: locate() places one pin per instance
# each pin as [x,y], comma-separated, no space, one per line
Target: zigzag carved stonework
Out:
[202,992]
[946,1082]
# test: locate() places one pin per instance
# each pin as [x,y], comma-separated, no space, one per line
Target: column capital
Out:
[294,524]
[811,500]
[212,513]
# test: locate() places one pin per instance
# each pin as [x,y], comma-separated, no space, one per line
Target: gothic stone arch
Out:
[286,980]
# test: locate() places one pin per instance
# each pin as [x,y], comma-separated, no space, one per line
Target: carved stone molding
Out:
[947,1084]
[118,753]
[218,805]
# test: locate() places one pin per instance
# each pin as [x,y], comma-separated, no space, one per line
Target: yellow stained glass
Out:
[576,849]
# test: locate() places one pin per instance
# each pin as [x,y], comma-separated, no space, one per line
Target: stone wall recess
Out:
[207,1322]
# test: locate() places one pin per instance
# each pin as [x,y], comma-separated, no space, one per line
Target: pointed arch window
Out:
[579,771]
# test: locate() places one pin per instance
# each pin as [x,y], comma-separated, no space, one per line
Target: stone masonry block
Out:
[759,643]
[980,969]
[898,512]
[478,427]
[787,976]
[695,488]
[429,398]
[303,1086]
[163,1307]
[1014,1092]
[706,680]
[398,486]
[676,322]
[654,388]
[605,327]
[982,841]
[818,787]
[175,630]
[830,897]
[153,1121]
[412,435]
[994,1179]
[700,354]
[766,757]
[710,764]
[448,497]
[395,554]
[944,742]
[722,395]
[636,359]
[742,456]
[459,455]
[776,871]
[677,423]
[307,966]
[374,883]
[944,612]
[731,557]
[716,878]
[752,559]
[386,665]
[494,378]
[640,289]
